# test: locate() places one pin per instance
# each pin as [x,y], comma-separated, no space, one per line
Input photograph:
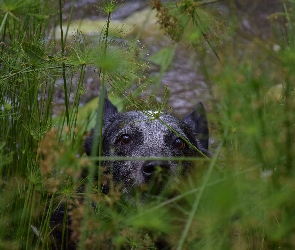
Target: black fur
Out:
[149,137]
[140,134]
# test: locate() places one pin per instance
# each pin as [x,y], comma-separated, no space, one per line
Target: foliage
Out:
[187,20]
[241,198]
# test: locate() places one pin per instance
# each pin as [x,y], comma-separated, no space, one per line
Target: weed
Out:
[240,198]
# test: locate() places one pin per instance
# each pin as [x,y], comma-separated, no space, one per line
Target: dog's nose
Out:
[149,167]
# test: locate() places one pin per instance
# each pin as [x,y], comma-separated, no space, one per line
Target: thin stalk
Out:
[289,131]
[69,20]
[187,141]
[192,191]
[64,226]
[288,100]
[77,101]
[28,238]
[63,64]
[46,226]
[288,107]
[24,71]
[140,158]
[96,145]
[99,123]
[3,22]
[107,33]
[202,188]
[24,217]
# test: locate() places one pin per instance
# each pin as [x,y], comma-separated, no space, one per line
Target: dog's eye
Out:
[125,139]
[179,143]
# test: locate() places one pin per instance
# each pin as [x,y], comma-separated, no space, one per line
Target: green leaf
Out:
[88,113]
[34,52]
[163,58]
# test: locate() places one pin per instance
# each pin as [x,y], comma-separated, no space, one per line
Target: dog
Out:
[147,134]
[142,139]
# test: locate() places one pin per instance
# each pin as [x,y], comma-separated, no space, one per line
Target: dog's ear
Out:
[197,120]
[110,110]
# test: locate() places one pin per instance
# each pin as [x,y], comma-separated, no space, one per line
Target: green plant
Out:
[240,198]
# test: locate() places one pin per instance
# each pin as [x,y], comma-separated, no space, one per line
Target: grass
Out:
[241,198]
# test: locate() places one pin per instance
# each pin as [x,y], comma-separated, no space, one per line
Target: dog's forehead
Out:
[147,122]
[150,119]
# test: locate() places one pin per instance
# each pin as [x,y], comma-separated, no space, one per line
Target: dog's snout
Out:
[149,167]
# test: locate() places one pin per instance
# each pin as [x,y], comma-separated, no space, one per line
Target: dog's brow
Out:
[173,126]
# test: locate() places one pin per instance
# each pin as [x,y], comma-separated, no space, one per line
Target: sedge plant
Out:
[241,198]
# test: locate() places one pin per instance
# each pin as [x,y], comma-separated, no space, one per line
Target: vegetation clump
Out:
[241,198]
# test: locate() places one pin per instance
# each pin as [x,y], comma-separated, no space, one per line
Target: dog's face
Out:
[138,135]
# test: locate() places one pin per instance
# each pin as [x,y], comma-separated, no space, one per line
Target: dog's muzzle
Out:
[151,167]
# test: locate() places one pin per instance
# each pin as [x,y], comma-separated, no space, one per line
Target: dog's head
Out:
[138,134]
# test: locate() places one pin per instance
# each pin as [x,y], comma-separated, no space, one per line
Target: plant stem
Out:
[202,188]
[63,64]
[97,145]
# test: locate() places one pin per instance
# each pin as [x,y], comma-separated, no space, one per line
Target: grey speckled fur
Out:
[149,138]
